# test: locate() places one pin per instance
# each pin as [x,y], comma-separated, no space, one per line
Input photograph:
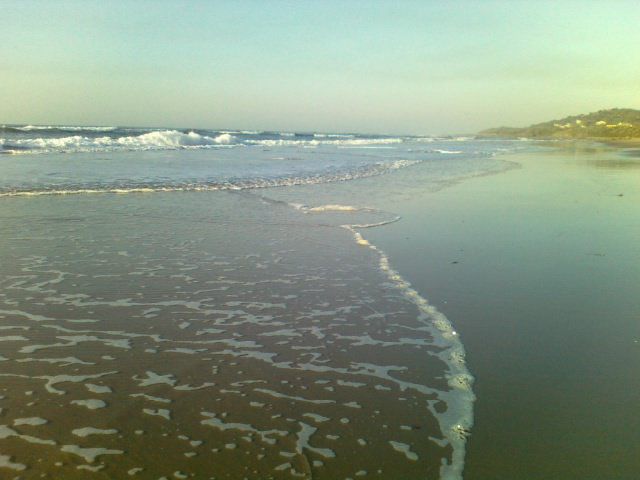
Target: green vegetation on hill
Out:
[612,123]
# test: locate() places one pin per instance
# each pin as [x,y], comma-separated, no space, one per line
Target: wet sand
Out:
[539,270]
[211,335]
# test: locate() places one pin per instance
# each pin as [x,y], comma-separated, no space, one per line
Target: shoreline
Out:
[499,249]
[457,424]
[468,271]
[192,332]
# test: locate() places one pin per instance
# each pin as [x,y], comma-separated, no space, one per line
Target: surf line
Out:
[456,422]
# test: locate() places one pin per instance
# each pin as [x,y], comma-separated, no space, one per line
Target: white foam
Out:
[265,435]
[302,443]
[29,128]
[457,420]
[75,340]
[344,383]
[30,421]
[5,462]
[315,417]
[333,208]
[289,333]
[160,412]
[62,361]
[55,379]
[20,313]
[91,404]
[353,142]
[97,388]
[6,432]
[447,152]
[188,351]
[89,454]
[333,135]
[86,431]
[90,468]
[13,338]
[370,171]
[157,140]
[405,449]
[150,397]
[273,393]
[189,388]
[155,379]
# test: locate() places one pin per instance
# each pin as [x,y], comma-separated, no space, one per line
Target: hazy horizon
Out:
[417,68]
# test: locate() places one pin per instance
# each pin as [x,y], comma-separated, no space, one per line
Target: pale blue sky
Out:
[376,66]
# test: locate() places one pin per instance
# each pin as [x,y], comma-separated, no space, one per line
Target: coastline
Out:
[507,259]
[214,295]
[508,251]
[456,422]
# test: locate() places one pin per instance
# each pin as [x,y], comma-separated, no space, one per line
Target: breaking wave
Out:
[447,152]
[55,128]
[24,139]
[155,140]
[326,141]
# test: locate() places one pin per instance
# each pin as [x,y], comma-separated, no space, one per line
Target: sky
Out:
[414,67]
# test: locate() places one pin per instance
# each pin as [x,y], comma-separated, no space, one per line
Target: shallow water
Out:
[540,268]
[210,335]
[215,310]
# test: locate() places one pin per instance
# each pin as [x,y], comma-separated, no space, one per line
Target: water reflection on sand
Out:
[208,336]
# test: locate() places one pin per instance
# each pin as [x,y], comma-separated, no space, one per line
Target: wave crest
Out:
[239,184]
[157,140]
[55,128]
[315,142]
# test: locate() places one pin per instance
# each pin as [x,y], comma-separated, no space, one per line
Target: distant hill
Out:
[604,124]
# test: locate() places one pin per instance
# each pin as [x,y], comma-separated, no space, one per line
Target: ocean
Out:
[180,303]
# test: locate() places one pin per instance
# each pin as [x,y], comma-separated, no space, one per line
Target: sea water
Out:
[205,304]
